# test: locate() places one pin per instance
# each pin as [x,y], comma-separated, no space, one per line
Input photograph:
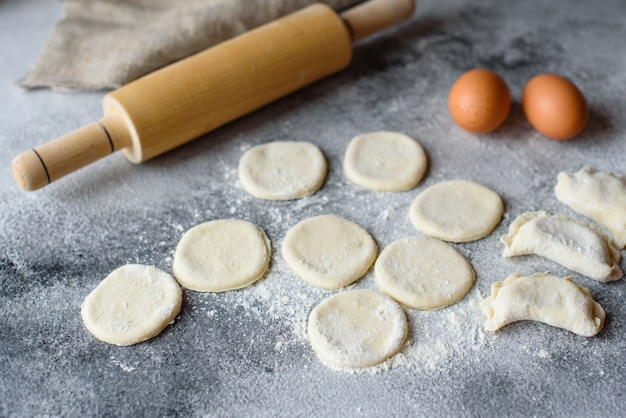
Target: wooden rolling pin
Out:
[187,99]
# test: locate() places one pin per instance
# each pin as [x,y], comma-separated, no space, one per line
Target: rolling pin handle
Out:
[44,164]
[374,15]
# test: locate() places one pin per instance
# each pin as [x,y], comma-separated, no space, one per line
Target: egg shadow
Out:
[516,126]
[599,124]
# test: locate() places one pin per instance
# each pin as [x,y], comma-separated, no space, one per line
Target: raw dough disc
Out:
[329,251]
[456,211]
[282,170]
[385,161]
[423,273]
[132,304]
[221,255]
[359,328]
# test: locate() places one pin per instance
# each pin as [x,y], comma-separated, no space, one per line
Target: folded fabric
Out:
[103,44]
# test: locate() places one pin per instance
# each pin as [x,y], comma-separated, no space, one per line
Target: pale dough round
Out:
[132,304]
[282,170]
[385,161]
[457,211]
[329,251]
[221,255]
[359,328]
[423,273]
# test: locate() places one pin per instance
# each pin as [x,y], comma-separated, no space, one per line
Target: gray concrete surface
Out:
[244,353]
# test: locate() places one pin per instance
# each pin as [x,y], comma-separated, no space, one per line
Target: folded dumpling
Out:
[565,241]
[553,300]
[598,195]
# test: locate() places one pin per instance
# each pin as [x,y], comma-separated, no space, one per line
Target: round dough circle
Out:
[456,211]
[329,251]
[132,304]
[221,255]
[385,161]
[359,328]
[423,273]
[282,170]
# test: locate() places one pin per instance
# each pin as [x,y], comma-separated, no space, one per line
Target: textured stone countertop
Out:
[244,353]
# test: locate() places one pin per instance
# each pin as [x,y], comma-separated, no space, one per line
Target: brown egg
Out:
[479,101]
[555,106]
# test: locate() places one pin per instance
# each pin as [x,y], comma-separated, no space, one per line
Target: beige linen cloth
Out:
[103,44]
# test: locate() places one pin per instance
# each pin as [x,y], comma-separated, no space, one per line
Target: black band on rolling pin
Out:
[108,136]
[43,164]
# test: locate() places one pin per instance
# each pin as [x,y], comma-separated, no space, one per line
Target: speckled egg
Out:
[555,106]
[479,101]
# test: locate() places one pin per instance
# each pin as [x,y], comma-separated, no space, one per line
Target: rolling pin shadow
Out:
[192,97]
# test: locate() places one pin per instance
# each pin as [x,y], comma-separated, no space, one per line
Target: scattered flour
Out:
[435,336]
[123,366]
[281,300]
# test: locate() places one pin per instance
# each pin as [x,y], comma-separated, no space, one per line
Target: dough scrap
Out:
[423,273]
[385,161]
[457,211]
[329,251]
[282,170]
[553,300]
[598,195]
[358,328]
[221,255]
[132,304]
[565,241]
